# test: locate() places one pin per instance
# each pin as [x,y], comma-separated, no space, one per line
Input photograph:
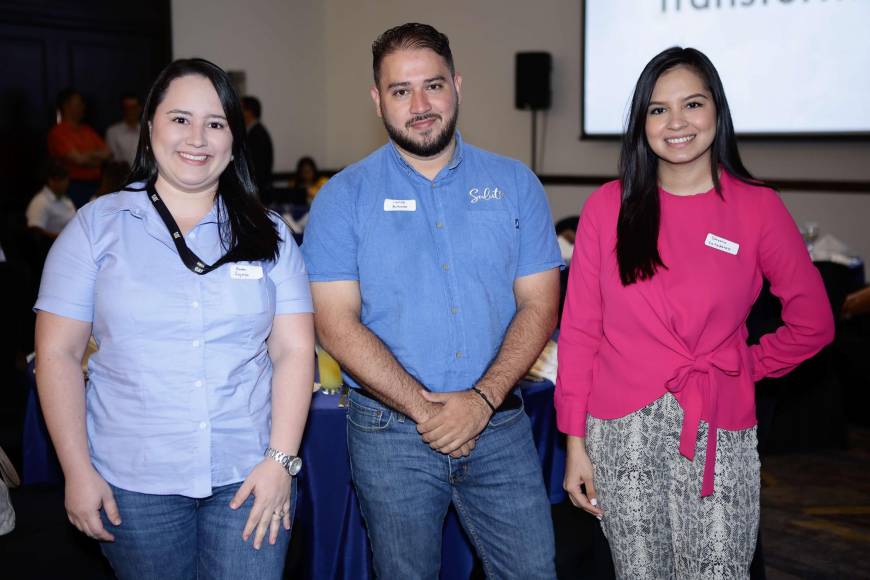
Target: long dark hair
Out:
[637,230]
[247,233]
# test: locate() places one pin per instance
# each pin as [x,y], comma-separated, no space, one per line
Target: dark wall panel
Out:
[102,48]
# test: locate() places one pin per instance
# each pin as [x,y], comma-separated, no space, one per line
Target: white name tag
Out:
[722,244]
[246,271]
[400,205]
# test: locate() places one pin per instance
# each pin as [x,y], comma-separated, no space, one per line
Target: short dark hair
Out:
[410,36]
[568,223]
[129,95]
[303,161]
[253,105]
[247,233]
[64,96]
[55,170]
[637,229]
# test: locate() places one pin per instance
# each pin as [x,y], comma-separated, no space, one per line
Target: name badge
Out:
[400,205]
[722,244]
[246,271]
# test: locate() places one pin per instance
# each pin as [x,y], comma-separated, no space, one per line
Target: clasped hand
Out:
[459,420]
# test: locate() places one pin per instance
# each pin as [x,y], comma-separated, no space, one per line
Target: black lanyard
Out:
[191,260]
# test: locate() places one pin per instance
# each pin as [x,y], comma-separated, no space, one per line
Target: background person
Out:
[308,177]
[50,209]
[179,457]
[655,378]
[123,137]
[259,145]
[77,147]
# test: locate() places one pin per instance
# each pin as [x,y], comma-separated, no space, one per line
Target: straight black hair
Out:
[247,233]
[637,229]
[410,36]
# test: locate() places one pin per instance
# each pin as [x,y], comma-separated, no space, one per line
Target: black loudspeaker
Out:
[533,80]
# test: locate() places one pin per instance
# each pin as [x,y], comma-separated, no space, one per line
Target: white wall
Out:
[280,46]
[327,45]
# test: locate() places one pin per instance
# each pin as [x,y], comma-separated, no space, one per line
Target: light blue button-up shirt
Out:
[435,260]
[178,395]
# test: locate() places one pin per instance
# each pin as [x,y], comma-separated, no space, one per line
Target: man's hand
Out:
[462,417]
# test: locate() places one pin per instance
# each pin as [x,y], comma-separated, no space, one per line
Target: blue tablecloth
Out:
[39,464]
[328,519]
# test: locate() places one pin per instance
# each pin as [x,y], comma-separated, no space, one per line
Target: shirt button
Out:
[458,354]
[203,425]
[454,310]
[192,235]
[195,344]
[439,225]
[194,304]
[197,384]
[445,267]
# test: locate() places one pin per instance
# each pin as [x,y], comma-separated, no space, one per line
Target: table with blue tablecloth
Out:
[328,520]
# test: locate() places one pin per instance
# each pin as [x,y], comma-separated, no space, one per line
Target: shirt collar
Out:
[134,199]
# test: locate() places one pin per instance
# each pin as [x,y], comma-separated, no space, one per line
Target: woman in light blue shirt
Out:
[179,452]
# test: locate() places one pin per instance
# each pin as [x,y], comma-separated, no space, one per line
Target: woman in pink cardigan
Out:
[656,382]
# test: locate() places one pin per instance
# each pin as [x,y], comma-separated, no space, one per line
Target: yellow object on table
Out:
[330,372]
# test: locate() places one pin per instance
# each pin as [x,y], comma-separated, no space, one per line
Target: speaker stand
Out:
[535,141]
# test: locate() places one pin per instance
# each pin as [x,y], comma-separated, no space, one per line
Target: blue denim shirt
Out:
[179,393]
[435,260]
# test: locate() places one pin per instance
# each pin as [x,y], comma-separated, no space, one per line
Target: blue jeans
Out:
[405,489]
[168,537]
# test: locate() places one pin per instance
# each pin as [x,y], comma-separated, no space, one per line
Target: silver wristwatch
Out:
[291,463]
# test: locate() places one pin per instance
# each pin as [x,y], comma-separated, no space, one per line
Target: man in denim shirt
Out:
[435,275]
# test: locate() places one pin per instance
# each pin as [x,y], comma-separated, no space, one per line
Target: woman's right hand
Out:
[578,471]
[86,493]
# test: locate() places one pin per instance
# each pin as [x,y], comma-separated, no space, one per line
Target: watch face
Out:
[295,466]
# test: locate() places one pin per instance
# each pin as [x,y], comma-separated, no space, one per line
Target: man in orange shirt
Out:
[78,147]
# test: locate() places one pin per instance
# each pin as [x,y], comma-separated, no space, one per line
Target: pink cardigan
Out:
[684,331]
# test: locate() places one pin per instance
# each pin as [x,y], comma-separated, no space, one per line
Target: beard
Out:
[430,145]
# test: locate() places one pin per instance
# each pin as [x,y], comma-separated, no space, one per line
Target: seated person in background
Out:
[566,231]
[856,303]
[123,136]
[114,178]
[308,177]
[50,209]
[77,146]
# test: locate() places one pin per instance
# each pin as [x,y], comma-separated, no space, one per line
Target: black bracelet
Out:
[484,397]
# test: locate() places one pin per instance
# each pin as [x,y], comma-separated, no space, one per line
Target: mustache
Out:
[424,117]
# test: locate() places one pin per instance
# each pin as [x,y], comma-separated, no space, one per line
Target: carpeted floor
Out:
[815,524]
[815,513]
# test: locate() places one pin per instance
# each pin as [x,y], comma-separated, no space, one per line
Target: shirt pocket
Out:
[493,237]
[245,296]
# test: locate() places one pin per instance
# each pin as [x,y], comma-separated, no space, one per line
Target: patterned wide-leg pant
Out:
[655,519]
